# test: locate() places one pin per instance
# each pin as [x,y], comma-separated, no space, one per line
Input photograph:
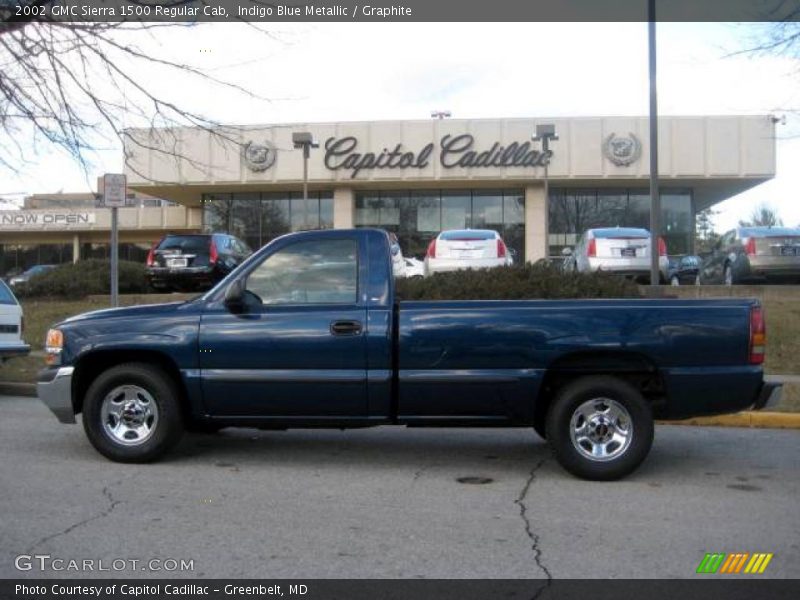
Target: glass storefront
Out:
[417,216]
[256,218]
[573,211]
[15,258]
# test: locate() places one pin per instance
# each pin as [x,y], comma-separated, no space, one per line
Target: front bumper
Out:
[54,388]
[9,350]
[769,396]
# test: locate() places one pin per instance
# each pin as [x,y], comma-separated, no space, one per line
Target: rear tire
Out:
[600,428]
[131,413]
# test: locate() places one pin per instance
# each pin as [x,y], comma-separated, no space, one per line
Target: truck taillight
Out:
[501,249]
[432,249]
[151,256]
[662,247]
[21,325]
[758,335]
[213,255]
[750,246]
[591,249]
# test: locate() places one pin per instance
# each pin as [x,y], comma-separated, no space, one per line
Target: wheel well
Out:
[635,368]
[89,367]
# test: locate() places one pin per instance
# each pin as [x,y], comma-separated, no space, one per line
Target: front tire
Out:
[600,428]
[131,413]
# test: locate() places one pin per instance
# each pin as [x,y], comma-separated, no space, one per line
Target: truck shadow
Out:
[473,451]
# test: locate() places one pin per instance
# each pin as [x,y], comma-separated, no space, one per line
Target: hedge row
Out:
[84,278]
[515,283]
[88,277]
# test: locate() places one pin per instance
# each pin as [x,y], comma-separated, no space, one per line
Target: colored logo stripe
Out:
[720,562]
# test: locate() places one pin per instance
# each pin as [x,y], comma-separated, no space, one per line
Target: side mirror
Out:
[566,252]
[234,295]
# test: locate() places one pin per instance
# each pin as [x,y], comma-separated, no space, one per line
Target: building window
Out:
[573,211]
[417,216]
[257,218]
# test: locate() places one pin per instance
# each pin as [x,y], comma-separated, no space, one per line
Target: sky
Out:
[374,71]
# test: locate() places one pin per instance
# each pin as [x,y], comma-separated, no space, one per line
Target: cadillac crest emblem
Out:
[622,150]
[259,156]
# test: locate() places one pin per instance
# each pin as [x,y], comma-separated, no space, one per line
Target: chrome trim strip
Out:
[468,375]
[285,375]
[379,375]
[57,394]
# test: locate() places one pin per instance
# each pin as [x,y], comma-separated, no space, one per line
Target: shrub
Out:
[519,282]
[86,277]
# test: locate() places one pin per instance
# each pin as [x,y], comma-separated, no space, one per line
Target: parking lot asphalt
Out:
[387,502]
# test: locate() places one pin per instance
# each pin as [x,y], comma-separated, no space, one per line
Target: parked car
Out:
[466,249]
[23,278]
[11,325]
[415,268]
[619,250]
[308,333]
[398,261]
[193,261]
[683,270]
[753,254]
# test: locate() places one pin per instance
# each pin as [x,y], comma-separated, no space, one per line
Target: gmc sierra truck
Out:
[307,333]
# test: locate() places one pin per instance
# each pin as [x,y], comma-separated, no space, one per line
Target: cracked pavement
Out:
[386,502]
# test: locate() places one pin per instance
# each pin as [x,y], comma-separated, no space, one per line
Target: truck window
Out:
[312,272]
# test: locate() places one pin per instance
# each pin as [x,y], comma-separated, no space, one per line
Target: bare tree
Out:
[72,85]
[763,216]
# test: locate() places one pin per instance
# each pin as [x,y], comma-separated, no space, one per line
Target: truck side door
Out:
[297,348]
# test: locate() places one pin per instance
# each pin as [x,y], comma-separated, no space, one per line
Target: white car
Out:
[466,249]
[11,323]
[619,250]
[414,268]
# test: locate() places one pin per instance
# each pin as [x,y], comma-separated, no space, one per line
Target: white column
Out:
[535,215]
[343,208]
[76,248]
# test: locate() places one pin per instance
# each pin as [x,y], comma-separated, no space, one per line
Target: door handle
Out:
[345,328]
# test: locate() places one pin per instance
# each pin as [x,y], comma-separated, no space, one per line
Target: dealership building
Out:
[417,178]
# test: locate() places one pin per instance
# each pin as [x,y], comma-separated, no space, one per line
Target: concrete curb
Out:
[10,388]
[759,419]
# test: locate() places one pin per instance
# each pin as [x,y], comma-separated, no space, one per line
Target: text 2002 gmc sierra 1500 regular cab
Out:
[307,333]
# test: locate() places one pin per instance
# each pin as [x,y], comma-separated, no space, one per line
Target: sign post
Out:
[114,192]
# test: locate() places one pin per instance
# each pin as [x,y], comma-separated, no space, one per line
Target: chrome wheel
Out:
[600,429]
[129,415]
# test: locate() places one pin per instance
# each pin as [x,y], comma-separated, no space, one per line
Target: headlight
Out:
[53,345]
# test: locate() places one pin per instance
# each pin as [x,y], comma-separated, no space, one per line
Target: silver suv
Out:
[753,254]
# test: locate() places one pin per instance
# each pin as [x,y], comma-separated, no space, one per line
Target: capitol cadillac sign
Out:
[45,219]
[453,151]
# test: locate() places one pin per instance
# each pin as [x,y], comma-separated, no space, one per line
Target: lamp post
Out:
[546,132]
[306,141]
[655,199]
[441,114]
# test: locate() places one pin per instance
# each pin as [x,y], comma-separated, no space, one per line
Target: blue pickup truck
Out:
[307,333]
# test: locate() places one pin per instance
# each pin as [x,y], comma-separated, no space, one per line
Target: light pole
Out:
[441,114]
[546,132]
[306,141]
[655,199]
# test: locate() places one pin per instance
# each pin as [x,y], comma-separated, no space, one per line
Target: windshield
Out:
[467,235]
[621,233]
[186,244]
[6,297]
